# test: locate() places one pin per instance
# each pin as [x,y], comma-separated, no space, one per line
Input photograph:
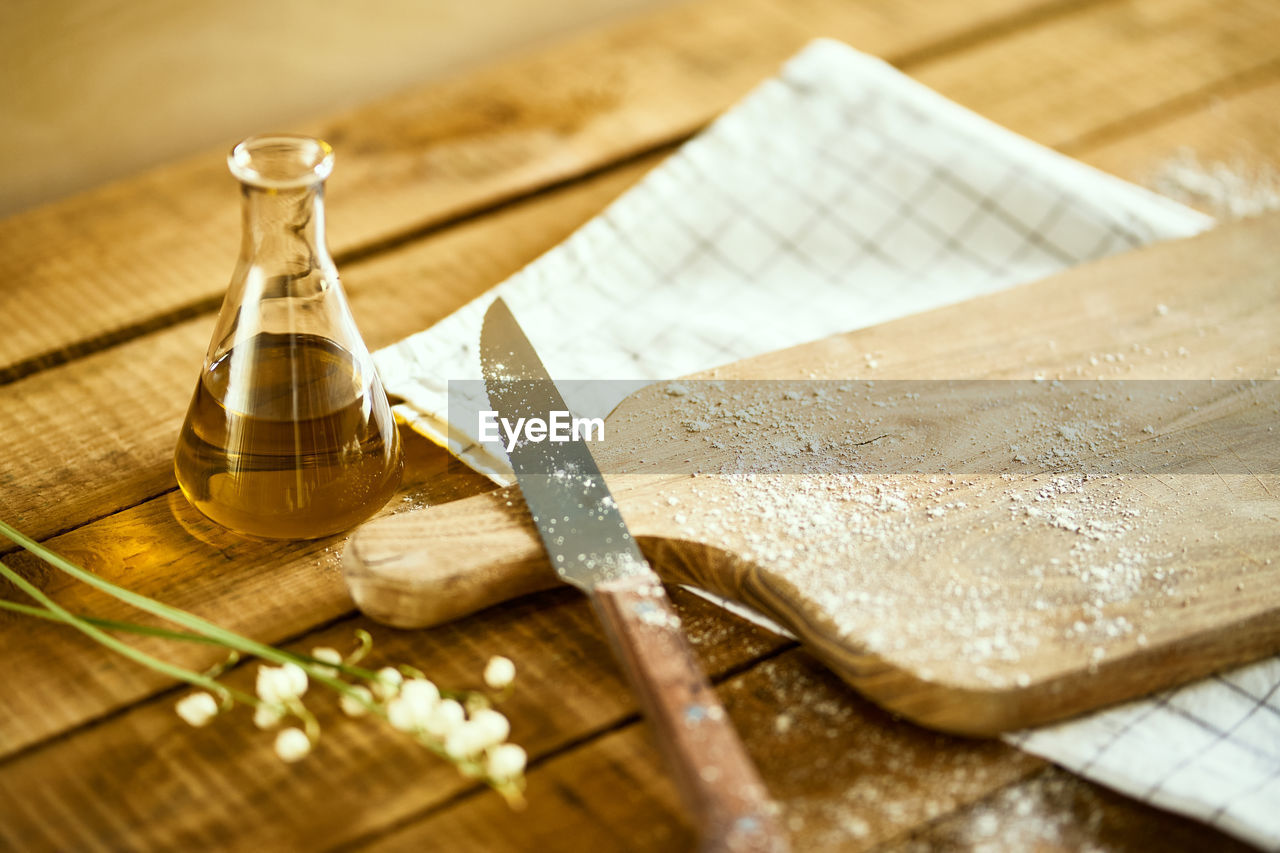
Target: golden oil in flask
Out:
[289,434]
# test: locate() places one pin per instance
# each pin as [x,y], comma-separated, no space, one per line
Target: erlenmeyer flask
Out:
[289,434]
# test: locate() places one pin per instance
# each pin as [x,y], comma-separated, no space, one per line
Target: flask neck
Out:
[282,185]
[283,229]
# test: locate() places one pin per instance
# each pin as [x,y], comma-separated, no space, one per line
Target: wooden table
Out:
[108,300]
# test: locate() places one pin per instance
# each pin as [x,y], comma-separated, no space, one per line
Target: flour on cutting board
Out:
[832,534]
[889,517]
[810,482]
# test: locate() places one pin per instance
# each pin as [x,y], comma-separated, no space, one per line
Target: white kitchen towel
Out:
[1210,750]
[837,195]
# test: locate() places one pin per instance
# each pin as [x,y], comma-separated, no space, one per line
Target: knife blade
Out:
[590,547]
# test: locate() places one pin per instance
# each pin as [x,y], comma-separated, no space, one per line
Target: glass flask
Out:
[289,434]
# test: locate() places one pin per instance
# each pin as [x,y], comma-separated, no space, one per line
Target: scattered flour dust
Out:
[1227,190]
[1052,810]
[914,566]
[892,778]
[845,541]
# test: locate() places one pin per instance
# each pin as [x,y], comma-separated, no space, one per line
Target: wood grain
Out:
[1235,129]
[1219,530]
[910,791]
[1152,48]
[221,786]
[165,549]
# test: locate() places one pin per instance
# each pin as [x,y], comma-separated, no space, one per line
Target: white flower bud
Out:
[292,744]
[295,677]
[403,716]
[387,683]
[420,693]
[197,708]
[499,672]
[266,683]
[490,726]
[505,762]
[279,684]
[353,707]
[464,741]
[267,716]
[444,718]
[327,655]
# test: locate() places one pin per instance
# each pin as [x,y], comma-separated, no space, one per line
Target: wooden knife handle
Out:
[717,779]
[428,567]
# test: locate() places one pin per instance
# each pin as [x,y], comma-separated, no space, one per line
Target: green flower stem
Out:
[95,633]
[310,725]
[166,634]
[202,631]
[109,624]
[221,635]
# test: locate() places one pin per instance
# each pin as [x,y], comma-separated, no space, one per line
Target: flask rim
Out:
[280,161]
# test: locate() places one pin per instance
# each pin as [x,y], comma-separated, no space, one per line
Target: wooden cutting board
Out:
[977,556]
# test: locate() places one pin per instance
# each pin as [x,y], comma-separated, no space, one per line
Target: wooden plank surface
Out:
[561,699]
[135,459]
[911,794]
[120,455]
[70,460]
[415,162]
[1235,129]
[129,269]
[850,775]
[422,159]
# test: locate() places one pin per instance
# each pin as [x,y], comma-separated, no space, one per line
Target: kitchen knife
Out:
[590,547]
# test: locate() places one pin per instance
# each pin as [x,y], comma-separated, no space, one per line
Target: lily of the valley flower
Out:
[403,716]
[410,710]
[292,744]
[463,742]
[356,705]
[490,727]
[197,708]
[421,693]
[461,725]
[444,718]
[387,683]
[279,684]
[267,716]
[505,761]
[327,655]
[499,672]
